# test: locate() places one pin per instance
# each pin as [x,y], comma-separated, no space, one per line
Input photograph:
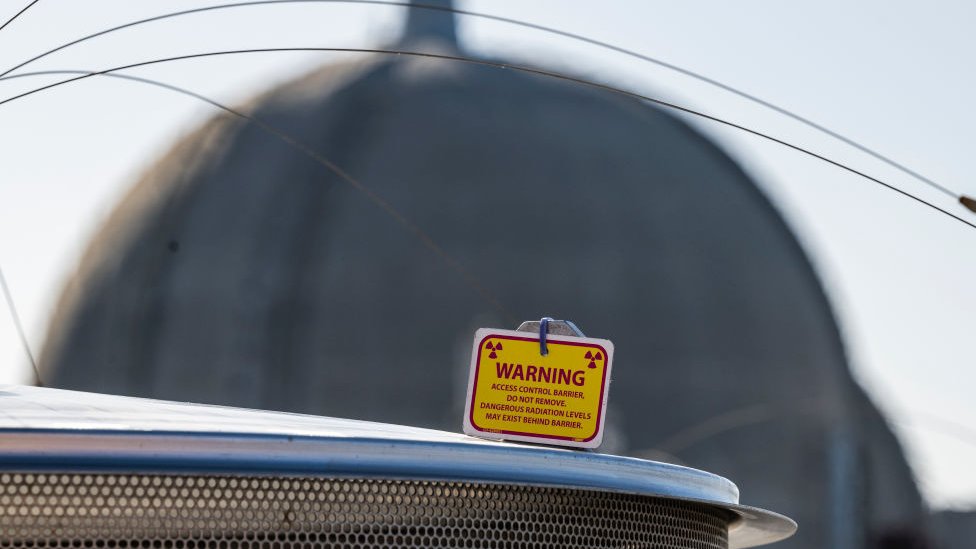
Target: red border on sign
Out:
[477,372]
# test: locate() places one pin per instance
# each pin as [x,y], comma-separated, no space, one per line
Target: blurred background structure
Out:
[239,271]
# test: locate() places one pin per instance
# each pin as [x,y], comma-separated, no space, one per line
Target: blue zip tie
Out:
[543,330]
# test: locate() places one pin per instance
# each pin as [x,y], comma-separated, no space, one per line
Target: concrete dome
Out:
[238,271]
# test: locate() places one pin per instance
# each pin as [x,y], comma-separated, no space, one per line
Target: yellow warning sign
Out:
[517,393]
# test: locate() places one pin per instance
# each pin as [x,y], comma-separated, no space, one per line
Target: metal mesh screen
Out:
[258,512]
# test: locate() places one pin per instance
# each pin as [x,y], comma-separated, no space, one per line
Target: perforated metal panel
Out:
[227,512]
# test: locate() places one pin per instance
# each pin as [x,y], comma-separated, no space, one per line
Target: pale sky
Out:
[896,76]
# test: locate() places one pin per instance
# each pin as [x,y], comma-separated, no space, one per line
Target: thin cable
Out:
[467,276]
[937,425]
[967,202]
[16,15]
[19,327]
[734,419]
[519,68]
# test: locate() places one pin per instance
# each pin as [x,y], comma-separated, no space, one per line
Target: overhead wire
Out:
[18,14]
[754,414]
[934,424]
[966,201]
[520,68]
[18,327]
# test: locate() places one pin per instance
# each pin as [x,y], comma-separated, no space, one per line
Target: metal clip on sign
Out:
[547,326]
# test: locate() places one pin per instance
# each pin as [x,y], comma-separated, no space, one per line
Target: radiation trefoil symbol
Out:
[593,358]
[493,347]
